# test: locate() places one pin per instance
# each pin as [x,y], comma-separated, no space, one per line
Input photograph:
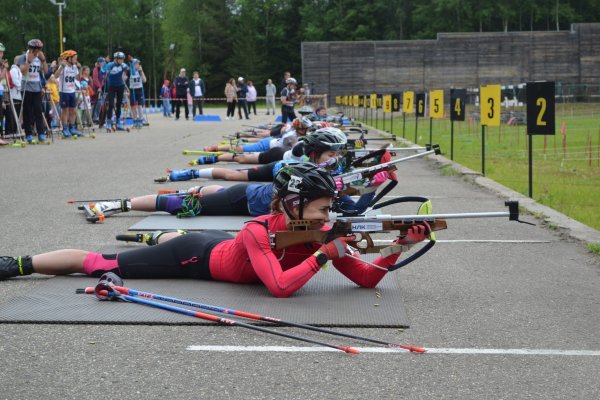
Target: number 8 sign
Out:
[540,108]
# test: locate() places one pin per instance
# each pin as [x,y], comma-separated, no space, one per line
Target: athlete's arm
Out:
[280,283]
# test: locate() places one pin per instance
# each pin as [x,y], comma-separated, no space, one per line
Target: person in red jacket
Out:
[301,192]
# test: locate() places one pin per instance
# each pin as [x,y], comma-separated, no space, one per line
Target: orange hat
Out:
[68,53]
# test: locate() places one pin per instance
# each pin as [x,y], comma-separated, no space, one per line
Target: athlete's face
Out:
[317,210]
[326,156]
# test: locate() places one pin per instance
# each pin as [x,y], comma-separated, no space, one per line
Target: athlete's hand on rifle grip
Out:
[336,248]
[379,178]
[415,234]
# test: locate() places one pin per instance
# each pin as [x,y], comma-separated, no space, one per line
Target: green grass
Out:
[568,182]
[594,248]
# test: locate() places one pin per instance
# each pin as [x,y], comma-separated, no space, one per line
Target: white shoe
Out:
[102,207]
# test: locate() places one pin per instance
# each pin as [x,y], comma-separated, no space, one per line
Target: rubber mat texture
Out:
[329,299]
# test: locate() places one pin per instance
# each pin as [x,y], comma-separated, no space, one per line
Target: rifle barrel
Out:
[423,217]
[381,166]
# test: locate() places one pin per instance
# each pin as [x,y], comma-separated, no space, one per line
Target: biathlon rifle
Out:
[390,166]
[364,225]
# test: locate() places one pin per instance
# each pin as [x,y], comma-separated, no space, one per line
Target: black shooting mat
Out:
[328,299]
[164,221]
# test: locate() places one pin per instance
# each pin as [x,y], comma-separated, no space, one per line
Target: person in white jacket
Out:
[251,97]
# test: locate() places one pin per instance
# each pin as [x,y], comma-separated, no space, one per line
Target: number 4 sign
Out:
[540,108]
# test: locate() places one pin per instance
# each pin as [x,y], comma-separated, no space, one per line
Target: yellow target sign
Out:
[489,105]
[374,101]
[408,102]
[436,104]
[387,103]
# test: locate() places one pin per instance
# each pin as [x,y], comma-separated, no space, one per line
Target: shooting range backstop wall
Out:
[453,60]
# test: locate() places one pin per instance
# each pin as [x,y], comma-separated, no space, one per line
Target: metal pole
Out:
[416,127]
[483,150]
[430,130]
[60,27]
[403,125]
[452,140]
[530,151]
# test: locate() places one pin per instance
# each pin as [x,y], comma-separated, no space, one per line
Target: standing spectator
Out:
[270,91]
[32,63]
[182,84]
[15,88]
[165,94]
[85,104]
[197,90]
[251,97]
[288,99]
[3,73]
[242,91]
[97,89]
[231,95]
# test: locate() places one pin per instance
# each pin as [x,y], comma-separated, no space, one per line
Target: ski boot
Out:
[203,160]
[29,139]
[103,209]
[43,139]
[74,132]
[178,175]
[120,127]
[109,126]
[11,266]
[66,133]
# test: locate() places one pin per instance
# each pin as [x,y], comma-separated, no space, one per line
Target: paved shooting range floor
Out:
[537,295]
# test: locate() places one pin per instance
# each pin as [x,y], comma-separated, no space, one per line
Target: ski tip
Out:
[419,350]
[350,350]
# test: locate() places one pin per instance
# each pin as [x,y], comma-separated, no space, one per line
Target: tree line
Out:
[259,39]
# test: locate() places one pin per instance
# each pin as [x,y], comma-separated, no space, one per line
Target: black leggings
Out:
[229,201]
[262,173]
[186,256]
[112,91]
[33,112]
[274,154]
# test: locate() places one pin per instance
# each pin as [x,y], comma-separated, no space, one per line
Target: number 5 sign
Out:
[489,105]
[540,108]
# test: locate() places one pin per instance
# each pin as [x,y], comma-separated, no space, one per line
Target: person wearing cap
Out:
[137,78]
[288,98]
[242,91]
[115,87]
[67,73]
[97,88]
[165,94]
[32,64]
[182,84]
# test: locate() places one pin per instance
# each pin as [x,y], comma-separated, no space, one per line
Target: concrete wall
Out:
[453,60]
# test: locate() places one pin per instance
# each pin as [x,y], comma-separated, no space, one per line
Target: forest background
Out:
[259,39]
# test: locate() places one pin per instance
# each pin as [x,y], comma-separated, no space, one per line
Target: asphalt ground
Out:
[539,294]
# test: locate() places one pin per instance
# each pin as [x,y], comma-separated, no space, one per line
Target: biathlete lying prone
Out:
[264,151]
[244,198]
[301,192]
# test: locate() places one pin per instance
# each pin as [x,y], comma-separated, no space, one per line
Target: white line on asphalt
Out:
[473,351]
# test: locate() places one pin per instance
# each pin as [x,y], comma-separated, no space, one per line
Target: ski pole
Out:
[89,201]
[244,314]
[106,290]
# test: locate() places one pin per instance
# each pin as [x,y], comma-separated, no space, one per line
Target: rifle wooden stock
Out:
[364,242]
